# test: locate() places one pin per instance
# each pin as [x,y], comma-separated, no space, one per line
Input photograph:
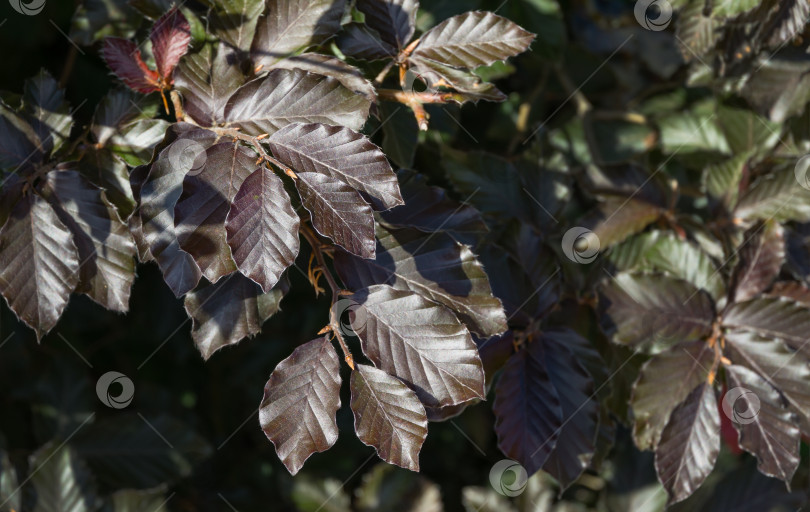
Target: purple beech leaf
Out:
[689,444]
[767,429]
[262,228]
[202,209]
[338,212]
[394,20]
[49,114]
[576,440]
[528,413]
[135,223]
[341,153]
[206,79]
[792,290]
[39,263]
[655,311]
[124,59]
[234,21]
[436,267]
[292,25]
[159,194]
[297,412]
[286,96]
[784,369]
[360,41]
[108,171]
[105,246]
[761,258]
[351,77]
[388,416]
[234,308]
[420,342]
[664,382]
[473,39]
[20,145]
[772,317]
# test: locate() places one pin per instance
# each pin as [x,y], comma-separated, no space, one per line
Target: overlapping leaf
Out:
[39,263]
[420,342]
[20,146]
[207,78]
[689,444]
[286,96]
[778,196]
[528,412]
[305,386]
[388,416]
[434,266]
[170,38]
[348,75]
[772,317]
[291,25]
[761,258]
[61,481]
[341,153]
[262,228]
[394,20]
[45,105]
[473,39]
[234,21]
[124,59]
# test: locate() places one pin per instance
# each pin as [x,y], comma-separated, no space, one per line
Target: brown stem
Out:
[384,73]
[178,105]
[256,143]
[409,98]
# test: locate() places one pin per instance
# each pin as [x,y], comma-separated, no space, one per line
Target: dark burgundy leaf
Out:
[19,144]
[107,170]
[388,416]
[202,208]
[767,429]
[528,413]
[136,179]
[655,311]
[287,96]
[206,79]
[434,266]
[394,20]
[292,25]
[105,246]
[39,263]
[170,38]
[262,228]
[421,343]
[341,153]
[124,59]
[45,106]
[348,75]
[689,444]
[300,400]
[473,39]
[576,439]
[772,318]
[338,212]
[761,258]
[234,21]
[792,290]
[664,382]
[362,42]
[224,313]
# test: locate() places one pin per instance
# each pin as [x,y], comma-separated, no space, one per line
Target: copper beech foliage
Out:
[239,148]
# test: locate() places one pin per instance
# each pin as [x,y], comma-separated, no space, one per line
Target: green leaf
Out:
[692,131]
[685,260]
[44,104]
[234,21]
[61,481]
[746,131]
[722,180]
[327,494]
[96,19]
[385,484]
[9,484]
[127,500]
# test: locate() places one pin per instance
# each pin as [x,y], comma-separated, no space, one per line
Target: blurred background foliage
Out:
[190,440]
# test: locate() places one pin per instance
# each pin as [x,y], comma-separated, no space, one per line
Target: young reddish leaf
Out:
[124,59]
[341,153]
[528,414]
[576,441]
[224,313]
[420,342]
[689,444]
[473,39]
[434,266]
[286,96]
[170,37]
[105,246]
[291,25]
[761,258]
[767,429]
[664,382]
[394,20]
[39,263]
[388,416]
[300,400]
[202,208]
[262,228]
[338,212]
[655,311]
